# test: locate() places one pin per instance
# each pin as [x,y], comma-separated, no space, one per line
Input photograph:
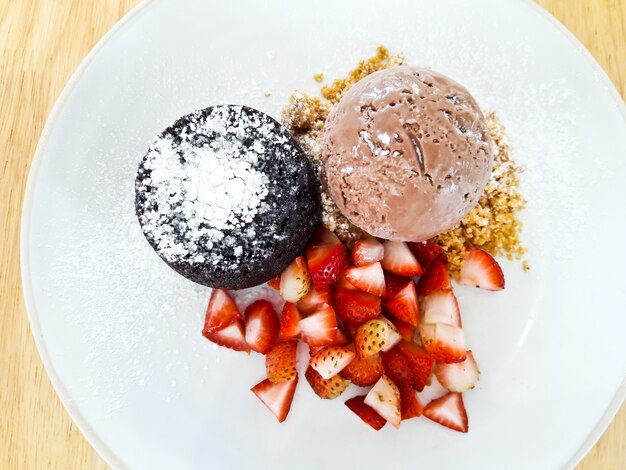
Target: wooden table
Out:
[42,42]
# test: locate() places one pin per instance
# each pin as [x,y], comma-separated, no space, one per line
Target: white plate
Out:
[119,332]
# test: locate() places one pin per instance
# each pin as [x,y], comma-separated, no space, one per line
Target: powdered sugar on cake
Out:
[206,181]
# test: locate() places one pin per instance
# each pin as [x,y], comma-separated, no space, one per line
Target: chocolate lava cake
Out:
[226,197]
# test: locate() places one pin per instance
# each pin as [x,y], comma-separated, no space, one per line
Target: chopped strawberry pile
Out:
[383,315]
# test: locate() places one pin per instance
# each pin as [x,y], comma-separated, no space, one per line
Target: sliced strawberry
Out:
[419,361]
[436,277]
[355,307]
[295,281]
[368,278]
[276,396]
[399,260]
[280,362]
[394,284]
[326,258]
[481,270]
[407,332]
[221,312]
[367,250]
[410,405]
[320,328]
[274,283]
[364,371]
[262,326]
[444,342]
[232,336]
[425,252]
[326,388]
[343,283]
[404,305]
[397,368]
[365,412]
[289,322]
[308,304]
[441,306]
[384,398]
[331,360]
[448,411]
[374,336]
[458,377]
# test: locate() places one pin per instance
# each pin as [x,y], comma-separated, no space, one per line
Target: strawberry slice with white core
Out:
[309,303]
[384,398]
[262,326]
[441,306]
[220,312]
[276,396]
[326,257]
[443,342]
[369,278]
[295,281]
[367,250]
[331,360]
[320,328]
[232,336]
[460,376]
[399,260]
[481,270]
[449,411]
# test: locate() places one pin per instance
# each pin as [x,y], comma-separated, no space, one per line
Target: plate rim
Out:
[90,434]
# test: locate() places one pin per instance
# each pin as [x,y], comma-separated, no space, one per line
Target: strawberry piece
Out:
[309,303]
[397,368]
[368,278]
[343,283]
[481,270]
[449,411]
[280,362]
[326,388]
[425,252]
[404,305]
[436,277]
[355,307]
[274,283]
[326,258]
[289,322]
[394,284]
[443,342]
[441,306]
[419,361]
[374,336]
[232,336]
[458,377]
[367,250]
[384,398]
[295,281]
[365,412]
[407,331]
[221,312]
[331,360]
[320,329]
[399,260]
[364,371]
[262,326]
[410,405]
[276,396]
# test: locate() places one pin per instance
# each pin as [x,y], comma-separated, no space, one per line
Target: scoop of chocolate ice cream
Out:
[406,153]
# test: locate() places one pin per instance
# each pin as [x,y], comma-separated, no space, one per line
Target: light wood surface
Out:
[41,43]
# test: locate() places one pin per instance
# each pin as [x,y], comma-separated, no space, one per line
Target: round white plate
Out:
[119,332]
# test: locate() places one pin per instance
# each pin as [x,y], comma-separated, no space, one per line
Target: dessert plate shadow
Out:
[119,332]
